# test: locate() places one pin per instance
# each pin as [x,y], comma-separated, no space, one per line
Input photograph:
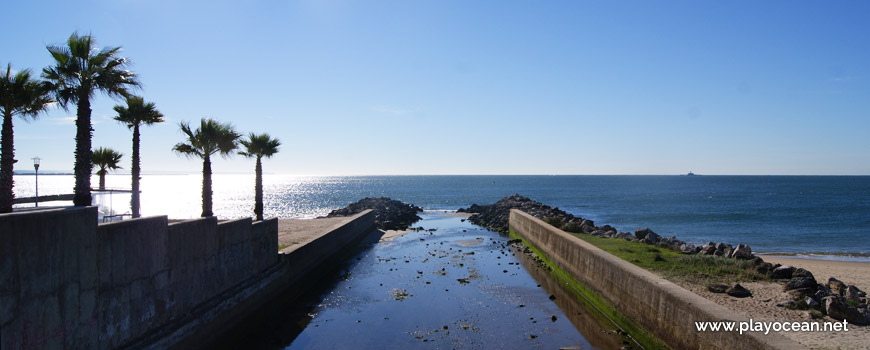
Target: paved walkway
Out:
[293,234]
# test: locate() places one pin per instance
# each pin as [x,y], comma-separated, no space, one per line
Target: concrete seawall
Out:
[67,282]
[664,309]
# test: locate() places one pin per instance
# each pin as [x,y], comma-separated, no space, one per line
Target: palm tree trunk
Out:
[83,165]
[258,189]
[102,174]
[206,187]
[7,162]
[134,198]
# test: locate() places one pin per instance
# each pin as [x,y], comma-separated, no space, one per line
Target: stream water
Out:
[452,285]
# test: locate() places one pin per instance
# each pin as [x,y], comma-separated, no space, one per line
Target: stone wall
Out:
[68,282]
[666,310]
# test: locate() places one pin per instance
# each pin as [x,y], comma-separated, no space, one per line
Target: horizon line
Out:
[61,173]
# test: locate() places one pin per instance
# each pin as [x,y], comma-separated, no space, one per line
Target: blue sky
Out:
[477,87]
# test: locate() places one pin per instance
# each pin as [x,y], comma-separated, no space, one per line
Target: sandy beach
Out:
[761,306]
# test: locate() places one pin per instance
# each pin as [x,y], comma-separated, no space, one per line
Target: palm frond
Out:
[137,112]
[211,137]
[261,145]
[106,158]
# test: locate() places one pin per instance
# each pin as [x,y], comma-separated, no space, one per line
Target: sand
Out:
[762,305]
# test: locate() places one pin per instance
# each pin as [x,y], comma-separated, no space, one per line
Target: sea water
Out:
[829,214]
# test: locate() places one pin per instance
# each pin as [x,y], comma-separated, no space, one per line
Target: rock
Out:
[495,216]
[801,282]
[717,287]
[708,249]
[782,272]
[389,214]
[651,238]
[738,291]
[742,251]
[800,293]
[790,304]
[811,303]
[641,233]
[820,294]
[799,272]
[866,313]
[764,268]
[836,286]
[756,261]
[852,294]
[837,308]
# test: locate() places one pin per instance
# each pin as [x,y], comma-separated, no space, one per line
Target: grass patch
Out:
[282,246]
[694,268]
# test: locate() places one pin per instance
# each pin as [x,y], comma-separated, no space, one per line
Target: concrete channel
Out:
[451,285]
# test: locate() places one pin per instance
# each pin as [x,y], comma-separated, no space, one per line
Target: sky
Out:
[475,87]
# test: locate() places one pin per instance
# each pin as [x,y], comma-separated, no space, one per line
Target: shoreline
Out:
[817,256]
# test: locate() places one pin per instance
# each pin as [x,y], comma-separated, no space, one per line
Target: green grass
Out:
[695,268]
[282,246]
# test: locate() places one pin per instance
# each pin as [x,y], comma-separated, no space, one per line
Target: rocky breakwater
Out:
[835,299]
[495,216]
[389,214]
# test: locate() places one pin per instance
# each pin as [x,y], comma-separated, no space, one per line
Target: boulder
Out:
[708,249]
[651,238]
[837,308]
[641,233]
[801,282]
[782,272]
[799,272]
[836,286]
[800,293]
[811,303]
[764,268]
[738,291]
[742,251]
[790,304]
[852,294]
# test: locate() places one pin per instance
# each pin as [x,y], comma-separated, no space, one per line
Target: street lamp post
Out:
[36,170]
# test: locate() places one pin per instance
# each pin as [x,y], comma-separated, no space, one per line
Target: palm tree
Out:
[106,159]
[259,146]
[79,70]
[137,113]
[211,137]
[19,95]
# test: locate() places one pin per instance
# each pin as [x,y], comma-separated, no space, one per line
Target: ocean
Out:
[792,214]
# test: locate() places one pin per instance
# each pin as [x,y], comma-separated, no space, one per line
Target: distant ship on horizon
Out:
[690,173]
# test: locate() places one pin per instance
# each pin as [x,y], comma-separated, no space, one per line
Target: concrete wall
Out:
[254,296]
[49,279]
[68,282]
[303,259]
[666,310]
